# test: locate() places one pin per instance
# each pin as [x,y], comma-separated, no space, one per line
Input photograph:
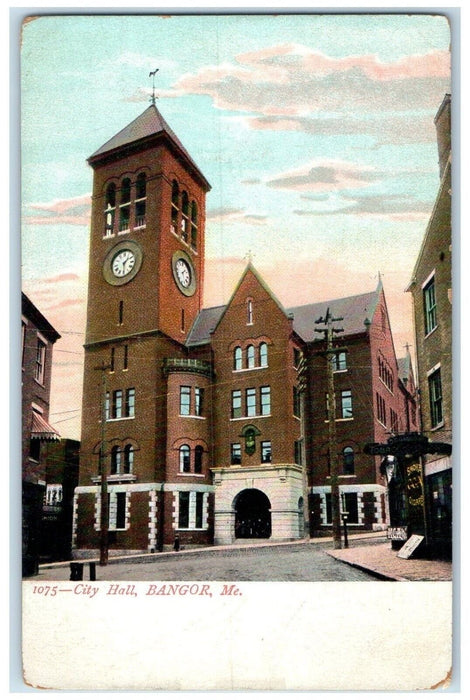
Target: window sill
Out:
[198,476]
[113,420]
[430,332]
[190,415]
[341,420]
[267,415]
[439,426]
[191,529]
[249,369]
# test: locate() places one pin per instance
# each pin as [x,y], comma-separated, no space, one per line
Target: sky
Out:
[316,133]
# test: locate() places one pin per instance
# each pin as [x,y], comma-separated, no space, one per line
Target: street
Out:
[287,562]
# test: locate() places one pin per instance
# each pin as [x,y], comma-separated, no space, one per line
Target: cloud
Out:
[75,211]
[395,129]
[395,207]
[236,215]
[325,176]
[291,80]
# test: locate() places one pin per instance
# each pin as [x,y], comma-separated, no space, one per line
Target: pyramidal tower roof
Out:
[145,128]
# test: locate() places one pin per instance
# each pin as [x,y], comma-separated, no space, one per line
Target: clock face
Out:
[123,263]
[183,272]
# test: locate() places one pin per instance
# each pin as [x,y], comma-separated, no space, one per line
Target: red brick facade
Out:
[206,435]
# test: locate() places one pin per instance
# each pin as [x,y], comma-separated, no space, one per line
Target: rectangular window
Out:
[266,452]
[235,453]
[265,394]
[199,400]
[125,363]
[117,510]
[435,398]
[298,452]
[40,361]
[429,302]
[117,403]
[381,409]
[346,404]
[199,510]
[185,400]
[236,403]
[183,516]
[130,403]
[338,361]
[296,398]
[111,361]
[191,510]
[250,402]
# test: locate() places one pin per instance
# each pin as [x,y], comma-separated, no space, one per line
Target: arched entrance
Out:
[252,515]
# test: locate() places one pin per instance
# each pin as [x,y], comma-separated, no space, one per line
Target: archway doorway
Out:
[252,515]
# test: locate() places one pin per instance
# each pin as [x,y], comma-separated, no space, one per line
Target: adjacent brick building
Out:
[431,288]
[38,337]
[199,417]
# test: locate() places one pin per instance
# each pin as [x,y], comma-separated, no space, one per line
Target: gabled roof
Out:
[353,310]
[149,123]
[31,312]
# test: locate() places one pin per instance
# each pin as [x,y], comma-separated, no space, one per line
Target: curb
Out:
[362,567]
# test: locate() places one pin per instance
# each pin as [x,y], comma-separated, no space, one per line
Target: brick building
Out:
[431,288]
[194,414]
[38,337]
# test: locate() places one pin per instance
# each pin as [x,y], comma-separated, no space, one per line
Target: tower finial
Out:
[249,257]
[152,74]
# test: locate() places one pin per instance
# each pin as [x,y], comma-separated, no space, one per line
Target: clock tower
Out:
[145,289]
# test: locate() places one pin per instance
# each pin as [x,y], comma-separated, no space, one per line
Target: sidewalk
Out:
[383,562]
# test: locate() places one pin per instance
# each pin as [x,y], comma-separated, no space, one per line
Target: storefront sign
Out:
[397,533]
[407,550]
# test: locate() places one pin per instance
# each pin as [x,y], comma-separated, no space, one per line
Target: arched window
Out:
[198,452]
[250,356]
[185,454]
[140,199]
[184,215]
[348,461]
[237,358]
[263,355]
[175,205]
[128,459]
[115,460]
[110,210]
[124,207]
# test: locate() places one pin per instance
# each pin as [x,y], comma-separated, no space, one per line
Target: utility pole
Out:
[301,389]
[104,511]
[329,332]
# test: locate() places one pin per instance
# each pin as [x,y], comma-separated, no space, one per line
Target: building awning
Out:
[41,430]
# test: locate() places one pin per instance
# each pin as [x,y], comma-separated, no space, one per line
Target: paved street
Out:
[288,562]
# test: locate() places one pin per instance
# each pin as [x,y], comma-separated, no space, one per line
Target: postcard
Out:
[236,298]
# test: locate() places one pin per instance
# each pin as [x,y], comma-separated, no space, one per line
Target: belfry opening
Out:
[252,515]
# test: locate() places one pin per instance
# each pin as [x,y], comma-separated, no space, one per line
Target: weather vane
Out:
[152,74]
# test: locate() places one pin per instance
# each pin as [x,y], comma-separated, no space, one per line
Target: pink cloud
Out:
[295,80]
[74,211]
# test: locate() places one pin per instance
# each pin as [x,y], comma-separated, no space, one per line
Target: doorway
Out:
[252,515]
